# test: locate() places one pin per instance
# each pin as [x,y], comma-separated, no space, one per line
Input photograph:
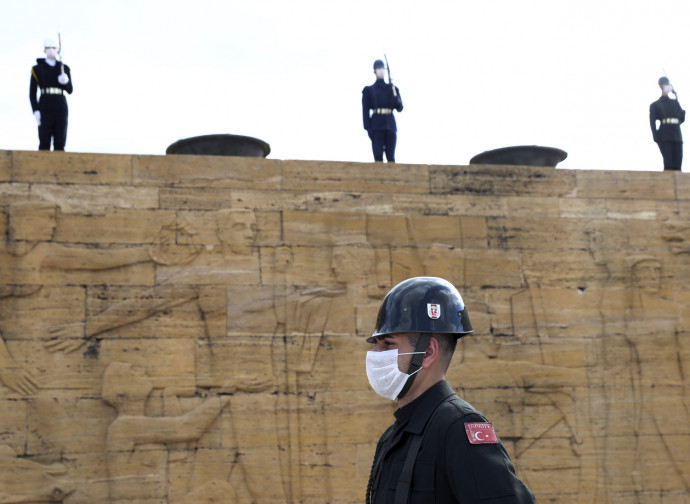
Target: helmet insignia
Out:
[433,310]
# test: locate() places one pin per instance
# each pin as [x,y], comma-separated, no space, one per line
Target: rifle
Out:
[62,66]
[390,80]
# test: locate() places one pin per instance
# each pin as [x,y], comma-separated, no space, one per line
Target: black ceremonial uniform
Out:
[448,468]
[668,137]
[378,104]
[52,103]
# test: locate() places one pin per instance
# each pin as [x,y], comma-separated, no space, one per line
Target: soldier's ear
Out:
[432,352]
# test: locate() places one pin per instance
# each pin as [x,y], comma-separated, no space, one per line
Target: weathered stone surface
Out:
[355,177]
[324,228]
[116,226]
[500,180]
[607,184]
[5,166]
[192,329]
[10,192]
[95,199]
[71,168]
[203,171]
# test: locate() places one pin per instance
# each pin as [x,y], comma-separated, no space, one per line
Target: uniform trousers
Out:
[672,152]
[53,125]
[384,141]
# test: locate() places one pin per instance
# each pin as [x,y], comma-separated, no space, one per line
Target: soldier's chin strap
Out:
[416,362]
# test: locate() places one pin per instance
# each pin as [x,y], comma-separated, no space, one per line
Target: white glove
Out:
[63,79]
[37,116]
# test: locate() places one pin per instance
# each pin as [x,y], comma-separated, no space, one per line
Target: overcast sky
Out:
[473,75]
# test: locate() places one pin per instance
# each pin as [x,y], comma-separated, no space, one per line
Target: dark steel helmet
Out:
[663,80]
[422,305]
[379,64]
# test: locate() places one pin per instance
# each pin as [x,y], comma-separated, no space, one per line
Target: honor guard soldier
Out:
[439,449]
[670,116]
[54,80]
[378,103]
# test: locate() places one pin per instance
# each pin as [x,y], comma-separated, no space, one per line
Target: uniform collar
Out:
[415,415]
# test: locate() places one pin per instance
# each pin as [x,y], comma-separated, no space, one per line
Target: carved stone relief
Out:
[221,357]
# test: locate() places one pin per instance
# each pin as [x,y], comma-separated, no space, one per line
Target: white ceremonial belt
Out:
[52,90]
[383,111]
[670,120]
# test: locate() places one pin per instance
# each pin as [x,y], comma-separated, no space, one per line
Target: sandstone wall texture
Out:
[190,329]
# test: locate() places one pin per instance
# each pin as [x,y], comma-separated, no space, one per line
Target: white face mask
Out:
[380,72]
[668,88]
[383,373]
[51,53]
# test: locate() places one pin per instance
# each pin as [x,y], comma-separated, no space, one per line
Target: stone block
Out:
[498,180]
[387,230]
[5,166]
[93,200]
[71,168]
[344,201]
[637,185]
[321,229]
[356,177]
[478,206]
[547,233]
[203,171]
[117,226]
[11,192]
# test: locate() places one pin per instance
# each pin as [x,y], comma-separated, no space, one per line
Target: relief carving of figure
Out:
[658,370]
[48,482]
[138,446]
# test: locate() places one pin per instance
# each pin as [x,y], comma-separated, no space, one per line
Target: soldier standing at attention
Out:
[378,102]
[670,116]
[53,78]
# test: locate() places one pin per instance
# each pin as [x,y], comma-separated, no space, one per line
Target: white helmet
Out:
[49,42]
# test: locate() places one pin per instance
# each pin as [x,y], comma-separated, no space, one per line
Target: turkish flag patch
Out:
[481,433]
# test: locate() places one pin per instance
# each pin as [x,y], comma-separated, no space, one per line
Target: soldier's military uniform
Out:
[668,137]
[378,104]
[448,467]
[52,103]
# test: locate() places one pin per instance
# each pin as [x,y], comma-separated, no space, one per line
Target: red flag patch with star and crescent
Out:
[481,433]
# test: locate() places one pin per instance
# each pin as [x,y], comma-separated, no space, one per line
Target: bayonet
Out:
[390,80]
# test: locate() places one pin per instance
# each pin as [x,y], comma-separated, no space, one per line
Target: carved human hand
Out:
[179,391]
[66,338]
[247,384]
[19,380]
[67,346]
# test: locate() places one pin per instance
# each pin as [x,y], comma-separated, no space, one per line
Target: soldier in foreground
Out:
[439,449]
[670,116]
[54,80]
[378,102]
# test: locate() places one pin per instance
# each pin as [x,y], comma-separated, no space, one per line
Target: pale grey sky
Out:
[473,75]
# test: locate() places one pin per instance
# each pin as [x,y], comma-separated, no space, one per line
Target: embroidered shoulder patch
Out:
[481,433]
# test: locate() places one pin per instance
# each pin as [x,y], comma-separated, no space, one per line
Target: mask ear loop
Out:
[416,363]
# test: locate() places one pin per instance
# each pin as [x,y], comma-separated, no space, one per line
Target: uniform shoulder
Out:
[458,409]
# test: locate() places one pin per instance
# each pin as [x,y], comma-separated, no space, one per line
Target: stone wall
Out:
[190,329]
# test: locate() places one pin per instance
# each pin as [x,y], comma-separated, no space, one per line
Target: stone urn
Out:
[220,145]
[529,155]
